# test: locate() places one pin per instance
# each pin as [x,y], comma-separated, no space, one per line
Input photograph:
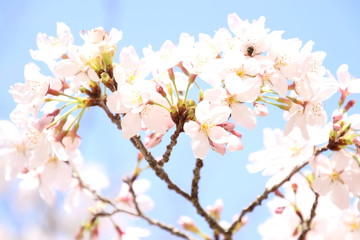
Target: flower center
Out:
[240,71]
[136,97]
[231,100]
[206,126]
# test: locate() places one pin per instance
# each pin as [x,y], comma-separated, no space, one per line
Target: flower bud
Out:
[260,110]
[349,105]
[216,209]
[160,90]
[337,117]
[336,127]
[153,140]
[188,224]
[279,210]
[190,103]
[171,74]
[105,77]
[356,141]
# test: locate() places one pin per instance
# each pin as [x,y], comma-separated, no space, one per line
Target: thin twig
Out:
[307,224]
[160,172]
[114,118]
[151,221]
[83,185]
[196,179]
[266,193]
[195,198]
[173,142]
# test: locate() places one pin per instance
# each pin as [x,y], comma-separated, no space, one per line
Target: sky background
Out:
[332,25]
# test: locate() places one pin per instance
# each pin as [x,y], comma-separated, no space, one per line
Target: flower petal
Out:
[218,135]
[244,116]
[200,145]
[131,124]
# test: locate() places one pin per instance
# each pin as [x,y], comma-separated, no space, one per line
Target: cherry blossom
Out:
[280,156]
[206,129]
[347,82]
[206,88]
[52,48]
[336,178]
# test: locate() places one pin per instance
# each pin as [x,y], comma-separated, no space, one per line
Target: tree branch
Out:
[196,179]
[159,171]
[266,193]
[154,222]
[195,198]
[173,142]
[115,118]
[307,223]
[83,185]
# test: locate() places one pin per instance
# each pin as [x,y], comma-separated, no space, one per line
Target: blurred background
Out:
[332,25]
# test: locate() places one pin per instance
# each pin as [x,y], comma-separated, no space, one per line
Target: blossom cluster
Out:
[238,72]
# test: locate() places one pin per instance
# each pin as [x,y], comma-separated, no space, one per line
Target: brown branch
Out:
[262,197]
[307,224]
[195,198]
[266,193]
[83,185]
[115,118]
[151,221]
[196,179]
[160,172]
[173,142]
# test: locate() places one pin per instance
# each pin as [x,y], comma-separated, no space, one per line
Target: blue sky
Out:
[332,25]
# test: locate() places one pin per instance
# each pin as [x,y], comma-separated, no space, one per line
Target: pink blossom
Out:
[133,99]
[52,48]
[280,156]
[131,67]
[206,129]
[253,37]
[240,113]
[336,178]
[346,81]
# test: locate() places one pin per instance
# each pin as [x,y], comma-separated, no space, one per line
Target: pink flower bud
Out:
[160,90]
[337,117]
[188,224]
[153,140]
[260,110]
[216,209]
[336,127]
[356,141]
[279,210]
[349,105]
